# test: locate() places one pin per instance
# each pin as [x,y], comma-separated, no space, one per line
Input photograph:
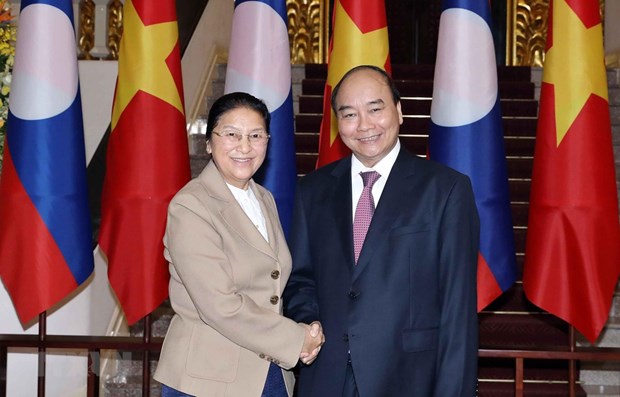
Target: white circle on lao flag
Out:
[45,76]
[465,87]
[259,57]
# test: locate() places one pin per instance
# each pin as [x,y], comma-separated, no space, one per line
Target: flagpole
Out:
[41,355]
[571,363]
[146,358]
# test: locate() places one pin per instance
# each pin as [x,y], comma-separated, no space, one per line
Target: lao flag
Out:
[45,228]
[259,63]
[466,134]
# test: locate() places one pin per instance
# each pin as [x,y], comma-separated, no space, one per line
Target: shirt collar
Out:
[383,167]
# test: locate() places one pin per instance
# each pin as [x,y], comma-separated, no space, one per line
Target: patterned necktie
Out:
[364,211]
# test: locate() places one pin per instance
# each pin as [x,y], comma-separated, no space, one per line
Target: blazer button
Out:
[276,362]
[275,274]
[261,355]
[274,300]
[345,337]
[353,294]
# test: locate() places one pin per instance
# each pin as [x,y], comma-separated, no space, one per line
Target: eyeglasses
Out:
[233,137]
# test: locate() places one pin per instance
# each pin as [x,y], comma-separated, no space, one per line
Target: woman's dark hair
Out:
[386,77]
[232,101]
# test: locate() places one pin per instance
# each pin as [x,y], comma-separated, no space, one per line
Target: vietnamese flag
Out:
[572,252]
[147,158]
[360,37]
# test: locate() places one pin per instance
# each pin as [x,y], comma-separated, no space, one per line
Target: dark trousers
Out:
[274,385]
[350,387]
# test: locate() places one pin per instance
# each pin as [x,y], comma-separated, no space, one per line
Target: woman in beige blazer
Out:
[229,264]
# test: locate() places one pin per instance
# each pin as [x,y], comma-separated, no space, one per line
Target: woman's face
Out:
[238,160]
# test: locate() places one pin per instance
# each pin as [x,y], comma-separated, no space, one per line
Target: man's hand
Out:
[313,341]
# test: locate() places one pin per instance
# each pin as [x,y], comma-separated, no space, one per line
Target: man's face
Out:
[368,118]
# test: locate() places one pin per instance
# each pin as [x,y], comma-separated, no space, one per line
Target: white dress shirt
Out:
[250,205]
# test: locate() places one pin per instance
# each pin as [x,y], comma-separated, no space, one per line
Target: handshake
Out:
[313,341]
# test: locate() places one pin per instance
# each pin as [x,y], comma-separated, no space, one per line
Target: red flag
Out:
[572,259]
[359,37]
[147,159]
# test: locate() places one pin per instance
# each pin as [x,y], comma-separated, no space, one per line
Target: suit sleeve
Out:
[300,300]
[458,338]
[207,277]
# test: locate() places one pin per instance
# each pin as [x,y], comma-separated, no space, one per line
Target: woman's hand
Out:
[313,341]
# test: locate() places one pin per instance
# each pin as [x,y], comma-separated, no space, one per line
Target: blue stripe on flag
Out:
[63,5]
[479,7]
[477,150]
[278,173]
[49,159]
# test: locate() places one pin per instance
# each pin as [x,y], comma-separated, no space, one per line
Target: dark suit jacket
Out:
[407,311]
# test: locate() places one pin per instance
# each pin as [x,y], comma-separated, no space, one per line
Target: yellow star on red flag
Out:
[142,65]
[575,75]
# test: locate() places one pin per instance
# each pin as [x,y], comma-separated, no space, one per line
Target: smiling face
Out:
[237,161]
[368,118]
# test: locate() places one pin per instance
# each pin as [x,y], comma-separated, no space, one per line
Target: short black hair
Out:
[386,77]
[235,100]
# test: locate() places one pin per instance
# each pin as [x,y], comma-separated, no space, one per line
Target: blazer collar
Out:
[235,217]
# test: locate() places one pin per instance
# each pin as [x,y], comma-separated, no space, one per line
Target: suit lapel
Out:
[398,188]
[341,214]
[233,214]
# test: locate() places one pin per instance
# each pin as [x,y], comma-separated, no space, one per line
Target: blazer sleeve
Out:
[458,338]
[300,300]
[205,273]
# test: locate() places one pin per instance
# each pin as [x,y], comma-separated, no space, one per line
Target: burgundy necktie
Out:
[364,211]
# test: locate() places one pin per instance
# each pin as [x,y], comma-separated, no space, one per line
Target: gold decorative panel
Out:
[86,27]
[115,28]
[527,32]
[308,23]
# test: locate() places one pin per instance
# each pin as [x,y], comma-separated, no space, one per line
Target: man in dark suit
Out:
[400,320]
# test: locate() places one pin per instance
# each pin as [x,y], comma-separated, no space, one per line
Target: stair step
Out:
[532,331]
[516,147]
[492,369]
[418,71]
[424,88]
[507,389]
[313,104]
[513,126]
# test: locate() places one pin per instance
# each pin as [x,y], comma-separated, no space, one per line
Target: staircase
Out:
[511,322]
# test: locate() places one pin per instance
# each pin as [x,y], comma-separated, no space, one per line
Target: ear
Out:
[400,113]
[209,147]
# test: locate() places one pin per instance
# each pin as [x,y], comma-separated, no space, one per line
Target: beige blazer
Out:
[225,288]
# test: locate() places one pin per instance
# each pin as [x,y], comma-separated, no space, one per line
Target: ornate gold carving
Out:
[308,30]
[527,31]
[530,32]
[115,28]
[86,29]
